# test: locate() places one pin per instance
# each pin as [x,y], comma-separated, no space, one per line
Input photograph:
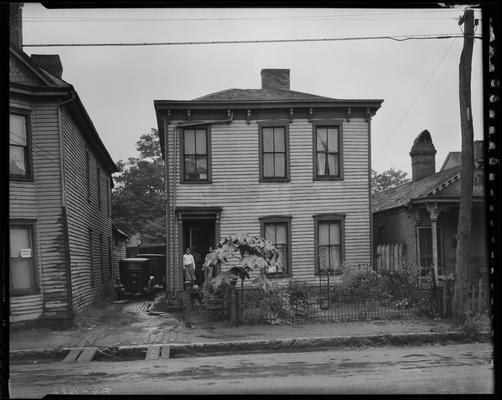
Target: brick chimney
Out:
[16,25]
[275,79]
[423,157]
[50,62]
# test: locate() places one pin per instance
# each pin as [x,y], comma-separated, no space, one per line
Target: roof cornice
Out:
[240,104]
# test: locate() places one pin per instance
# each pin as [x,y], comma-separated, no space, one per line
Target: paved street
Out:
[462,368]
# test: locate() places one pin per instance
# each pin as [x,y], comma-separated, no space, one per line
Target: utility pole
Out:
[465,212]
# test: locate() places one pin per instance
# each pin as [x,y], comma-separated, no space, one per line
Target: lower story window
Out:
[329,244]
[425,254]
[22,260]
[277,231]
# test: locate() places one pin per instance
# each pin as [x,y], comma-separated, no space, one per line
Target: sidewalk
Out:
[113,325]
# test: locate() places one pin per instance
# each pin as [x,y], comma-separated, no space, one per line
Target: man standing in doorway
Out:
[188,270]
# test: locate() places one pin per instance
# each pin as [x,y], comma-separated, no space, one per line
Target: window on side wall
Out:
[88,175]
[98,181]
[101,258]
[327,146]
[91,259]
[195,160]
[329,244]
[19,147]
[23,277]
[277,230]
[274,151]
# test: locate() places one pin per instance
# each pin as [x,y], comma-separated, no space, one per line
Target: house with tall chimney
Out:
[60,228]
[289,166]
[422,215]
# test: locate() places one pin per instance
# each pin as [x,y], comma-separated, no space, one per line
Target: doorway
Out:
[198,236]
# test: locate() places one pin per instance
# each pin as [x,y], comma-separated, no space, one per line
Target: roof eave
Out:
[243,104]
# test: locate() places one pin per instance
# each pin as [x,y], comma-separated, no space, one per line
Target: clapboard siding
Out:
[236,189]
[84,215]
[50,234]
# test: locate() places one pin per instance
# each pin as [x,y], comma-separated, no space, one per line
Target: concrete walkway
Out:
[130,324]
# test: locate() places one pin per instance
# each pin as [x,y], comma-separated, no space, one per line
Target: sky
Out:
[417,79]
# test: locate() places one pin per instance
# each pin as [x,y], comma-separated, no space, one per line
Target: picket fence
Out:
[390,257]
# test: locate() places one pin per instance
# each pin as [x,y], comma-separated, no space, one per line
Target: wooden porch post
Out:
[434,213]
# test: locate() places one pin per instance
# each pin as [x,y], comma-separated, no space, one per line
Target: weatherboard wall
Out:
[244,199]
[39,201]
[90,264]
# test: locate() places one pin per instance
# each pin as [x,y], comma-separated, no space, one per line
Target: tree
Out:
[387,179]
[139,196]
[247,253]
[464,215]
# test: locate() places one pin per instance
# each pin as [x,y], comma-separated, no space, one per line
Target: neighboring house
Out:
[59,190]
[120,240]
[292,167]
[423,213]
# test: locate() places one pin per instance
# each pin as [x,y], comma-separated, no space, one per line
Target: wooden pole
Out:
[464,217]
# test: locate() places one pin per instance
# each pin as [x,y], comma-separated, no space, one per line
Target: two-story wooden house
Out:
[59,187]
[292,167]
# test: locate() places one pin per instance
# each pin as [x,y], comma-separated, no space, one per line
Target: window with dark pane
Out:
[425,257]
[22,261]
[18,146]
[88,174]
[277,234]
[98,181]
[101,258]
[274,152]
[329,246]
[195,154]
[327,151]
[91,258]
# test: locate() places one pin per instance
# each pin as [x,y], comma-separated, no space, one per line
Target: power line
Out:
[415,99]
[399,38]
[355,15]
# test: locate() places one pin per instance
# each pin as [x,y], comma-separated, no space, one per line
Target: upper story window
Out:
[195,155]
[274,151]
[327,150]
[88,175]
[329,243]
[19,146]
[98,181]
[277,230]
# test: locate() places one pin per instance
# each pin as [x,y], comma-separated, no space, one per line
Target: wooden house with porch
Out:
[59,192]
[421,216]
[289,166]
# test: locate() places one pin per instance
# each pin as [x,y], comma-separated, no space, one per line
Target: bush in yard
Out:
[360,283]
[298,296]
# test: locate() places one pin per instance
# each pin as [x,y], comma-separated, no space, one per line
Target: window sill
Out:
[26,292]
[328,178]
[21,178]
[196,182]
[265,180]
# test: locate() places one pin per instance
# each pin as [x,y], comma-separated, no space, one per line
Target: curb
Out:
[249,346]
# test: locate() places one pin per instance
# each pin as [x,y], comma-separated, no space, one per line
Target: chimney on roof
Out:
[478,149]
[50,62]
[423,157]
[275,79]
[16,25]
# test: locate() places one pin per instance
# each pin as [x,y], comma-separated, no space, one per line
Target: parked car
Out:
[134,276]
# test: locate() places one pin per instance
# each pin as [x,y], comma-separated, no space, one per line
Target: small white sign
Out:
[25,253]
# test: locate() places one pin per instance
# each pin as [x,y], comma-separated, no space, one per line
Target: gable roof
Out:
[453,159]
[47,81]
[403,194]
[259,95]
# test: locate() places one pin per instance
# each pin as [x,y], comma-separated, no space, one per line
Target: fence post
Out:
[233,305]
[187,306]
[479,294]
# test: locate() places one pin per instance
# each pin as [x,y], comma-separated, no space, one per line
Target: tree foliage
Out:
[246,253]
[139,196]
[387,179]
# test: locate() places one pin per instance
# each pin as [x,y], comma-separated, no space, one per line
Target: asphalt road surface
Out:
[462,368]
